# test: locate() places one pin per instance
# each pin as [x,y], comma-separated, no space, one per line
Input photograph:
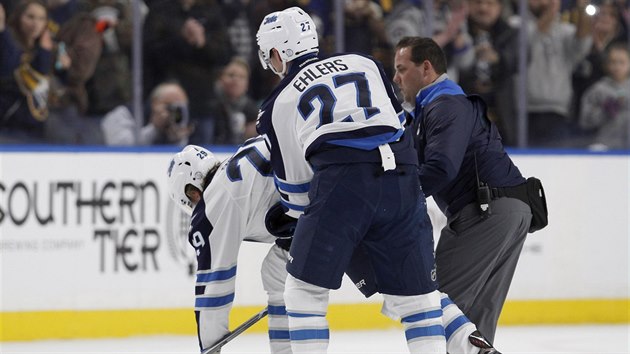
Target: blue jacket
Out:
[450,128]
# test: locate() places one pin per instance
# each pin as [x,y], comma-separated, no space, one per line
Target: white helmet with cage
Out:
[291,32]
[189,167]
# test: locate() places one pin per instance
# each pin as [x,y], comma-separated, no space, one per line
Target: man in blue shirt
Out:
[463,166]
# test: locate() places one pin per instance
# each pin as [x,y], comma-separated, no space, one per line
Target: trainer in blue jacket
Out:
[463,166]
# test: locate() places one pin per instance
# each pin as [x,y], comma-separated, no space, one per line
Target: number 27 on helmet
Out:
[291,32]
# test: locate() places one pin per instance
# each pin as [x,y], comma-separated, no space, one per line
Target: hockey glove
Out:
[278,223]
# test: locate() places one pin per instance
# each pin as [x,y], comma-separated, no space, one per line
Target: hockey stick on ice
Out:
[238,330]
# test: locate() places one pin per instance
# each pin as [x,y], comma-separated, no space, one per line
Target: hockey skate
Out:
[478,340]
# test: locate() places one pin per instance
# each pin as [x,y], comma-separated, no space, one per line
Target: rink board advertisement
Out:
[94,232]
[89,231]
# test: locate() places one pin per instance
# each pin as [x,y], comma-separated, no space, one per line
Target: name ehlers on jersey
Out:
[316,71]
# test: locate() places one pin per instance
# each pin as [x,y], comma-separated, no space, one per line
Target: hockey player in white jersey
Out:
[231,202]
[236,201]
[344,167]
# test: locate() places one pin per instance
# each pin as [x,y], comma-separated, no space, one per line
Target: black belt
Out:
[518,192]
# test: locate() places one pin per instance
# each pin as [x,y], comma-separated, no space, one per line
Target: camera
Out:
[178,113]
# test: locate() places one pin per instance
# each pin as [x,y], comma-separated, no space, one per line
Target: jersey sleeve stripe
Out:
[292,188]
[216,276]
[295,207]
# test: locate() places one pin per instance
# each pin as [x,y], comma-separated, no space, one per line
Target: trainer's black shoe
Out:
[479,341]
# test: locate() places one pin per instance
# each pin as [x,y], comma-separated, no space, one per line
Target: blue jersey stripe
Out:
[423,316]
[292,188]
[278,334]
[368,143]
[446,302]
[429,331]
[306,334]
[455,325]
[218,275]
[214,301]
[295,207]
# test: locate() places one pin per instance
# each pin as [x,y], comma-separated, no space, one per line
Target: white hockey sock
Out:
[273,273]
[457,328]
[421,316]
[278,329]
[307,305]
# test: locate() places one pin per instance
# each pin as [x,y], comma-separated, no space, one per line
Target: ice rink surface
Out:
[592,339]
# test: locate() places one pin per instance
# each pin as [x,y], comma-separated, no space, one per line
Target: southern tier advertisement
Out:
[91,231]
[95,229]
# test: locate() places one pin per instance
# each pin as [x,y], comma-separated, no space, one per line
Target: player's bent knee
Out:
[273,273]
[300,296]
[396,306]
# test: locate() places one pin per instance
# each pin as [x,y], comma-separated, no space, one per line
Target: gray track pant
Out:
[476,259]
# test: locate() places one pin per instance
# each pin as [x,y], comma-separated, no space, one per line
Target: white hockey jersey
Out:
[233,209]
[344,100]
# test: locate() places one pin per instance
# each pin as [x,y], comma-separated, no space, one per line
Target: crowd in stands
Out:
[66,66]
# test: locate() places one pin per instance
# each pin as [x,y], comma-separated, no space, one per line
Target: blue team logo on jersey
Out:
[270,19]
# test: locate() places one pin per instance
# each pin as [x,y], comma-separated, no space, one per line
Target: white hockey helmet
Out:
[189,167]
[291,32]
